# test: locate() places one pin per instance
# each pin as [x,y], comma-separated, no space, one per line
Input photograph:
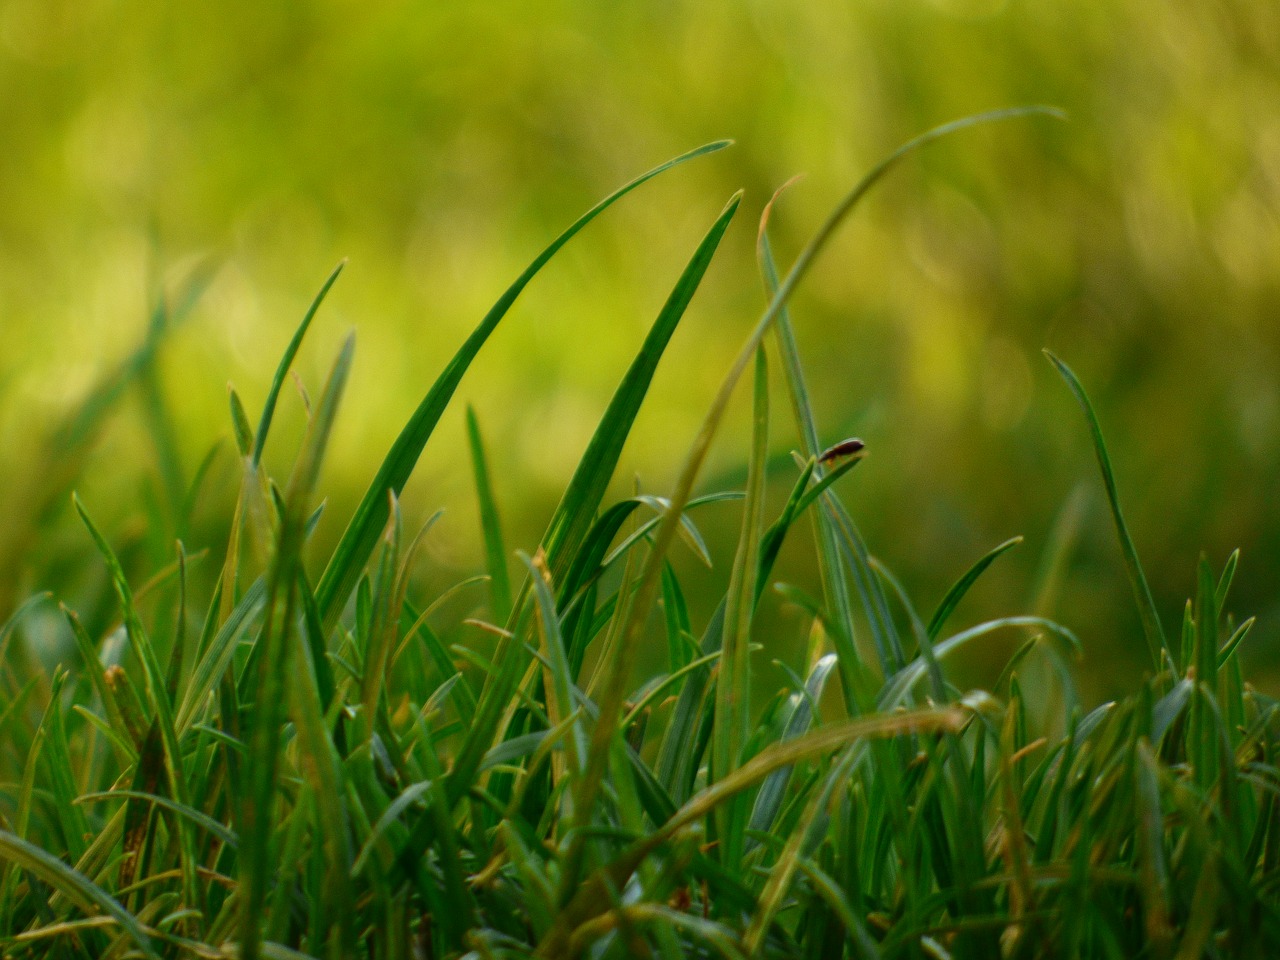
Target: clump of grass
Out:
[309,768]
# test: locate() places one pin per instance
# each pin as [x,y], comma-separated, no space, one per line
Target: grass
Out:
[286,767]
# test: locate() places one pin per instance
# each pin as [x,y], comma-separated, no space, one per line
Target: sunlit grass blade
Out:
[286,363]
[361,535]
[1157,645]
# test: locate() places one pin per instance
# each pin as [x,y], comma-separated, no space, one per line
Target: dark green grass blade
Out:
[490,525]
[961,587]
[366,524]
[74,885]
[573,518]
[286,361]
[582,497]
[1157,645]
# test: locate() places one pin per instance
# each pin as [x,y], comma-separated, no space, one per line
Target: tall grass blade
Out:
[962,586]
[573,518]
[733,688]
[1157,645]
[361,535]
[286,363]
[274,644]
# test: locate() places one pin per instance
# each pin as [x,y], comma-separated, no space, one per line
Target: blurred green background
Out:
[441,145]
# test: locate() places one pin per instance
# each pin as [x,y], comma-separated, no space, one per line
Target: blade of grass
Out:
[961,587]
[491,526]
[733,688]
[286,362]
[1157,645]
[256,822]
[573,518]
[361,535]
[74,885]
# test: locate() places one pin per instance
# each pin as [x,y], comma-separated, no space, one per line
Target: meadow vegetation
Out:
[301,755]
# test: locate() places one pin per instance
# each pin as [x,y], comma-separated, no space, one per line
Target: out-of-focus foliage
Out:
[440,145]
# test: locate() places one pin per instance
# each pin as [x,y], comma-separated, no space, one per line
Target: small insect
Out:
[845,448]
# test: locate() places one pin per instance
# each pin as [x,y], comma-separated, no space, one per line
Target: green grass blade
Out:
[1157,645]
[275,647]
[197,817]
[961,586]
[491,526]
[286,362]
[557,678]
[768,802]
[733,688]
[215,661]
[573,518]
[361,535]
[900,684]
[74,885]
[582,497]
[835,589]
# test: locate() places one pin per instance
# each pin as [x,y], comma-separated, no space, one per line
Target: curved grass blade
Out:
[961,586]
[768,803]
[286,361]
[582,497]
[361,535]
[197,817]
[901,684]
[74,885]
[1157,644]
